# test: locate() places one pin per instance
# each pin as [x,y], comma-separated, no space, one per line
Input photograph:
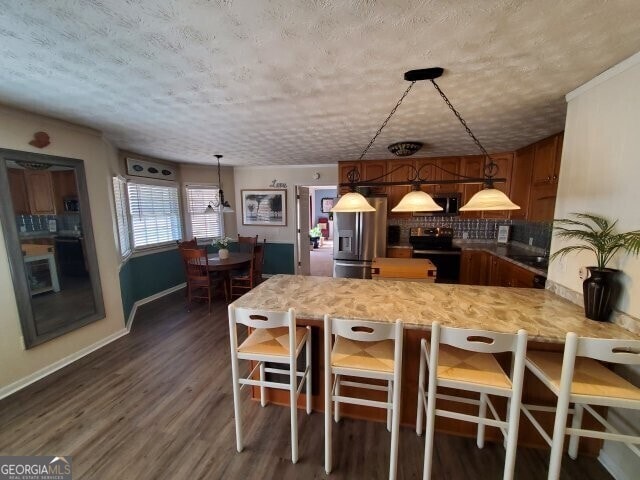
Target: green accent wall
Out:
[141,277]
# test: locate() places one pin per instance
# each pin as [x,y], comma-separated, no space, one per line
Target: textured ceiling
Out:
[291,82]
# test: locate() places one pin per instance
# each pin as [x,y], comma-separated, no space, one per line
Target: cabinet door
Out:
[40,190]
[465,267]
[399,252]
[374,170]
[544,160]
[449,170]
[471,166]
[521,277]
[542,202]
[504,161]
[521,181]
[64,185]
[18,188]
[343,171]
[399,171]
[474,268]
[556,165]
[427,171]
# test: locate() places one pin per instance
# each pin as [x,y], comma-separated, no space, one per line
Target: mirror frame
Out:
[14,250]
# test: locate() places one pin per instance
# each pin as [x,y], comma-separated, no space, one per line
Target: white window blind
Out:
[119,194]
[155,214]
[203,225]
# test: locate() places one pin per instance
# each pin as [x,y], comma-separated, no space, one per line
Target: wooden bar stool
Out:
[578,377]
[371,350]
[463,359]
[276,339]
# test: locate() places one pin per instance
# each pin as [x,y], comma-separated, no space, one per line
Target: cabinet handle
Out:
[548,178]
[555,177]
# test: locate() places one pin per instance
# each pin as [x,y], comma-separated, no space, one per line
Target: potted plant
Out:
[223,246]
[598,235]
[314,235]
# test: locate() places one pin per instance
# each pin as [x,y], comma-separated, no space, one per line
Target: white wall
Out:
[16,130]
[600,173]
[256,178]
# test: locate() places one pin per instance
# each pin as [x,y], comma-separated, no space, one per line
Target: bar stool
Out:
[276,339]
[578,377]
[471,366]
[364,349]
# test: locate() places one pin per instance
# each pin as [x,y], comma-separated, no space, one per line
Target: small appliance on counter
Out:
[436,244]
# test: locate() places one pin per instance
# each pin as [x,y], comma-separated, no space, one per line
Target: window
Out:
[155,214]
[119,194]
[201,224]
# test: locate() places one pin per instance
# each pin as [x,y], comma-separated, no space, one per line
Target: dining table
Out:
[235,260]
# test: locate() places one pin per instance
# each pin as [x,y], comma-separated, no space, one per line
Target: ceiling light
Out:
[404,149]
[221,205]
[417,201]
[489,199]
[352,202]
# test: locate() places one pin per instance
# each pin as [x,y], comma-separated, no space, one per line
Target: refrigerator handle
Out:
[359,235]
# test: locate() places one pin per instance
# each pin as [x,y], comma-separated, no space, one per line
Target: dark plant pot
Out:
[314,241]
[600,291]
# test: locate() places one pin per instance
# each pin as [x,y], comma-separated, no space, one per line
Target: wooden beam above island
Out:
[546,317]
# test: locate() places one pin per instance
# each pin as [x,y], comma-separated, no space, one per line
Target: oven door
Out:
[446,261]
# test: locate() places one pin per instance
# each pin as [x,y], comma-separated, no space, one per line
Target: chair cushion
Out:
[471,367]
[590,377]
[372,356]
[271,341]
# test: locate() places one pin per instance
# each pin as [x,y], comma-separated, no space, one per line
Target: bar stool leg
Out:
[308,374]
[327,399]
[263,396]
[421,375]
[576,422]
[389,400]
[236,400]
[482,413]
[336,412]
[294,412]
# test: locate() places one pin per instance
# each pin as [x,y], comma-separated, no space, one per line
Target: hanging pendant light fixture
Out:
[221,205]
[417,201]
[353,201]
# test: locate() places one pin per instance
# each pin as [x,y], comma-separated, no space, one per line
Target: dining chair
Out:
[190,244]
[199,281]
[579,377]
[463,359]
[277,340]
[247,244]
[258,262]
[367,350]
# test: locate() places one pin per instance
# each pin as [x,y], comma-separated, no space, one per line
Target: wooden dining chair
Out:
[243,282]
[258,262]
[247,244]
[199,282]
[190,244]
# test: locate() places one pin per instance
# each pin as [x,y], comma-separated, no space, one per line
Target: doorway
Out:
[316,241]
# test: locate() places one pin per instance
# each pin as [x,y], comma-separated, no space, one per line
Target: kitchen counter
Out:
[504,251]
[546,316]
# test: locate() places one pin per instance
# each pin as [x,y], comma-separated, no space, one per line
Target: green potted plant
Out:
[314,235]
[598,235]
[223,246]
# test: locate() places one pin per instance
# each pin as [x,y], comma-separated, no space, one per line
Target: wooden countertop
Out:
[546,316]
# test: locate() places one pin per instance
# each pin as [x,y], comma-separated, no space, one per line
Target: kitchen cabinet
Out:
[472,166]
[343,171]
[399,171]
[40,192]
[474,267]
[544,178]
[64,186]
[438,169]
[484,268]
[504,161]
[521,181]
[399,252]
[18,187]
[368,170]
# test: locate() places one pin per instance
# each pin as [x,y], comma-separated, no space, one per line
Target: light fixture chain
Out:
[384,124]
[462,121]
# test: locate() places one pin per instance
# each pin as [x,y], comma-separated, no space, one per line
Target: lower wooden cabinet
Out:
[482,268]
[399,252]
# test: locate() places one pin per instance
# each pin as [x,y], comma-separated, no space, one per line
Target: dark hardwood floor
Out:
[157,404]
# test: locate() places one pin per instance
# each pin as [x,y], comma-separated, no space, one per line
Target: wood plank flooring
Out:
[157,404]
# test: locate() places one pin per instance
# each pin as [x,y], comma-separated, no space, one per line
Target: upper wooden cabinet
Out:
[399,171]
[64,186]
[368,170]
[343,171]
[544,165]
[504,161]
[471,166]
[521,181]
[438,169]
[18,187]
[544,178]
[40,192]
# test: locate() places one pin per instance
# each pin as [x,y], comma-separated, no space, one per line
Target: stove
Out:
[436,244]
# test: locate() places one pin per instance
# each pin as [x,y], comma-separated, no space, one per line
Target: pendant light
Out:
[221,205]
[352,202]
[417,201]
[489,199]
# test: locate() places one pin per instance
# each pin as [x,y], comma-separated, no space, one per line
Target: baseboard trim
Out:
[151,298]
[611,466]
[48,370]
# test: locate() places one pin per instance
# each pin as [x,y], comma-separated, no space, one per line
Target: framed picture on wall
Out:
[266,208]
[327,204]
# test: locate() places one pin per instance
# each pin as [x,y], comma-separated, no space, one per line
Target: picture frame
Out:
[266,208]
[326,204]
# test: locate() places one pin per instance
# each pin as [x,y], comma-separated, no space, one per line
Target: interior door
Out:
[302,230]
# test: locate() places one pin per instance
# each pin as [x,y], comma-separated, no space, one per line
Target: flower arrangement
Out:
[222,242]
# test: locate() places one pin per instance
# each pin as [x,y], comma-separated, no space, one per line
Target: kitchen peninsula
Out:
[546,317]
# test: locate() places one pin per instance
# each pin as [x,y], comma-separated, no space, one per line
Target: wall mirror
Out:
[47,229]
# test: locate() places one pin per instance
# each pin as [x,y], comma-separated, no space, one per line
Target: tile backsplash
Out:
[479,229]
[40,223]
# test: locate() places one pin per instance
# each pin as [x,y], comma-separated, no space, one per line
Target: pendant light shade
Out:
[417,201]
[352,202]
[489,199]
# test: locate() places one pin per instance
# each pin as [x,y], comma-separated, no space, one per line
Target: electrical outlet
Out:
[530,241]
[582,273]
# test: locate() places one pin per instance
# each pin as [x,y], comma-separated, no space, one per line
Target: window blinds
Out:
[119,194]
[155,214]
[203,225]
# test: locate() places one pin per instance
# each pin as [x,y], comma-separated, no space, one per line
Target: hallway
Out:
[321,260]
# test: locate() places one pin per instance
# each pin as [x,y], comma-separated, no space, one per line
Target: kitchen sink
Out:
[531,260]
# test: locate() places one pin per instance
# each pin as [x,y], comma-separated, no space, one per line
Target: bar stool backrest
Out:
[607,350]
[365,331]
[481,341]
[262,318]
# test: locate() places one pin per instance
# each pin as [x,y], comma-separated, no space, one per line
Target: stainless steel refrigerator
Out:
[359,238]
